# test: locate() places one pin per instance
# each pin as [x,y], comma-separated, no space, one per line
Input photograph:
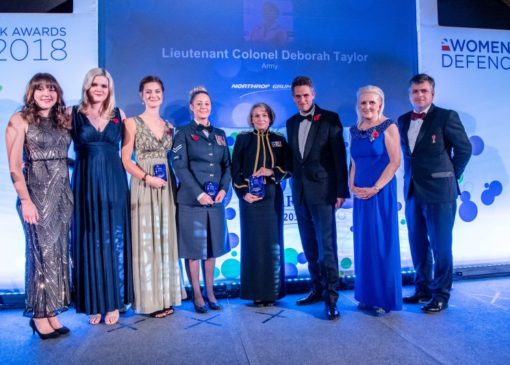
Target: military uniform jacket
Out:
[254,150]
[197,159]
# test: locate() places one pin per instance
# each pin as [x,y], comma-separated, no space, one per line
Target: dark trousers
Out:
[430,228]
[317,229]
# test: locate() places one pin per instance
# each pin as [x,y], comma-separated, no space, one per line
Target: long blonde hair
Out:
[109,103]
[365,90]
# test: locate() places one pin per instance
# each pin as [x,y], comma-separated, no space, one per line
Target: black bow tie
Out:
[307,117]
[207,128]
[415,116]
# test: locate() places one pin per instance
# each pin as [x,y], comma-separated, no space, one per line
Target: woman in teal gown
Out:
[101,234]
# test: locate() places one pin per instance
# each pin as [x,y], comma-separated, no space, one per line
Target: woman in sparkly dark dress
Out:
[37,140]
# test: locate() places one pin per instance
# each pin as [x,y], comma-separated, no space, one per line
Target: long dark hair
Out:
[30,109]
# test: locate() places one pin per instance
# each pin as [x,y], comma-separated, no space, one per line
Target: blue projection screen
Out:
[248,51]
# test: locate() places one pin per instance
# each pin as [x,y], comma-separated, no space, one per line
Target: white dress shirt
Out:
[414,130]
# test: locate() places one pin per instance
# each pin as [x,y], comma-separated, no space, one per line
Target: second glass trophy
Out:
[160,171]
[256,186]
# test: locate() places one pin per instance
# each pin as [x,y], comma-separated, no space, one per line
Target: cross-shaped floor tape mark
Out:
[122,325]
[271,315]
[201,321]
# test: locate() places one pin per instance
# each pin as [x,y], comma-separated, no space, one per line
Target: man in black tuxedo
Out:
[436,151]
[319,186]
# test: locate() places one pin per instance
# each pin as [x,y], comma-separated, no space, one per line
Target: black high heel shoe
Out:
[43,336]
[199,308]
[62,330]
[215,306]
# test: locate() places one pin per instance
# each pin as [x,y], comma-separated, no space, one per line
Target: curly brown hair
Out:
[30,109]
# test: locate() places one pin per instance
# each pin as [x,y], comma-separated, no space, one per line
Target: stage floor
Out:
[475,329]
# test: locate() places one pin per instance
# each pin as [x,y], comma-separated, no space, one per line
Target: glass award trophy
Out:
[256,186]
[211,188]
[160,171]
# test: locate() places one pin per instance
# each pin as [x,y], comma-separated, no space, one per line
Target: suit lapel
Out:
[295,136]
[311,136]
[405,131]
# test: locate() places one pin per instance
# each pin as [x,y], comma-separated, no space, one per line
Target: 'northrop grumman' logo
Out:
[475,54]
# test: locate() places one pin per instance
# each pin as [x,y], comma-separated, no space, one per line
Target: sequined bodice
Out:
[46,142]
[147,146]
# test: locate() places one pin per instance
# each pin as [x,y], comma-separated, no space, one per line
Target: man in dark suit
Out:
[319,172]
[436,150]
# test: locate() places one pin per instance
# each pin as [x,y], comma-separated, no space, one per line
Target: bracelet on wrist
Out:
[377,189]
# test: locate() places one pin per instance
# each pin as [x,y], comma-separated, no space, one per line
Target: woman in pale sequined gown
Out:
[37,140]
[156,272]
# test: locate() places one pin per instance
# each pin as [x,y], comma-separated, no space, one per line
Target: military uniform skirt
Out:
[202,231]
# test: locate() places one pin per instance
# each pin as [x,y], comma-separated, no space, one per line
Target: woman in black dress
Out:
[37,140]
[260,162]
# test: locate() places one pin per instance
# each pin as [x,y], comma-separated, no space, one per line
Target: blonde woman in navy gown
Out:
[156,271]
[101,233]
[201,160]
[375,157]
[37,140]
[262,156]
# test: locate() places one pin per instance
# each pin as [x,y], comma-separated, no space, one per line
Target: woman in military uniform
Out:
[201,161]
[259,165]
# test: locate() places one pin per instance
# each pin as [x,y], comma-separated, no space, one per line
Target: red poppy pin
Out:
[195,137]
[316,118]
[374,135]
[170,132]
[433,138]
[115,121]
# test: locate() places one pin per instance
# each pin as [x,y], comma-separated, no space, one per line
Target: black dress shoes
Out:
[434,306]
[332,312]
[312,297]
[417,297]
